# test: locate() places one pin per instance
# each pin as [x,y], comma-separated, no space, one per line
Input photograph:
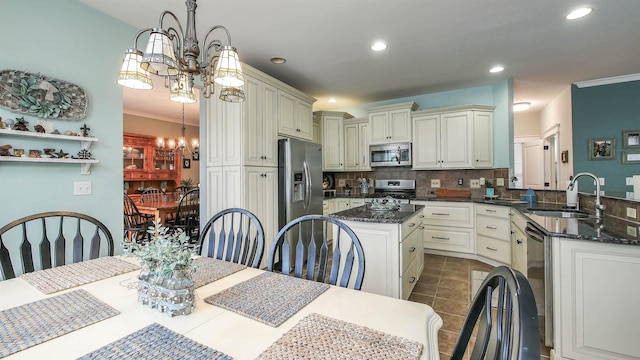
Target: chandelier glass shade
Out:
[175,54]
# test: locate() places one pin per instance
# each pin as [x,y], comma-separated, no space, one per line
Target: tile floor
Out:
[445,285]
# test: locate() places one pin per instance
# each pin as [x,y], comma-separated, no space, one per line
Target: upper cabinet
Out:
[356,145]
[261,116]
[391,123]
[459,137]
[333,142]
[296,116]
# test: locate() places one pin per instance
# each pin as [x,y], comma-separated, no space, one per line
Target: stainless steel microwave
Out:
[390,155]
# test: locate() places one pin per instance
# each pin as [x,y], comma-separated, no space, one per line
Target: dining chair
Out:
[234,235]
[152,196]
[177,193]
[56,235]
[136,223]
[504,312]
[188,215]
[305,240]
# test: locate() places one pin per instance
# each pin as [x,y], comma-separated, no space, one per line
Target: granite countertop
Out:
[365,214]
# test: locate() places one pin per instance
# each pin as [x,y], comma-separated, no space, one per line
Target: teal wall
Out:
[67,40]
[605,111]
[499,95]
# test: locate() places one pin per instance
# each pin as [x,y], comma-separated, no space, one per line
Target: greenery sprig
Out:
[32,97]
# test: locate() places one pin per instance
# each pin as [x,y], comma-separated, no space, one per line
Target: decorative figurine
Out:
[85,130]
[70,133]
[49,151]
[9,123]
[4,150]
[21,124]
[39,128]
[35,154]
[83,154]
[61,154]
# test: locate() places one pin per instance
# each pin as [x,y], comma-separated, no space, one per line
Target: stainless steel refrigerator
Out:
[300,183]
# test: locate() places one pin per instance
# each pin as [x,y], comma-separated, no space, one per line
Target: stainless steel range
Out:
[403,190]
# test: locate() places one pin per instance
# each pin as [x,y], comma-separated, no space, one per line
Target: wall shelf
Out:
[85,143]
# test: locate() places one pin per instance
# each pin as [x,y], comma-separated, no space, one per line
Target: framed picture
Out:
[630,158]
[196,156]
[564,156]
[602,149]
[186,163]
[631,139]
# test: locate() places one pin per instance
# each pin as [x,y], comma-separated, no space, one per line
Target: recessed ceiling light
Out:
[578,13]
[521,106]
[496,69]
[278,60]
[332,100]
[378,46]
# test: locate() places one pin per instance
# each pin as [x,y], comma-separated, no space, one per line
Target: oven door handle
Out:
[534,234]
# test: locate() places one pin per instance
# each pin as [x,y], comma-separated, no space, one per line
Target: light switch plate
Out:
[629,195]
[435,183]
[631,212]
[474,184]
[82,188]
[499,181]
[481,180]
[601,181]
[629,181]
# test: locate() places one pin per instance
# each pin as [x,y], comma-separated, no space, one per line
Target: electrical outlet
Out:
[474,184]
[601,181]
[435,183]
[631,213]
[499,181]
[460,181]
[632,231]
[629,195]
[629,181]
[481,181]
[342,183]
[82,188]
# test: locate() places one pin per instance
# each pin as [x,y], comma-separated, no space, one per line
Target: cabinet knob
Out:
[413,279]
[412,249]
[518,242]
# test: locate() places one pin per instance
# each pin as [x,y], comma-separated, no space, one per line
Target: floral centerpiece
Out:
[167,267]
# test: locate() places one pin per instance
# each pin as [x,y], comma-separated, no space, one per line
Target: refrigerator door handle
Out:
[307,185]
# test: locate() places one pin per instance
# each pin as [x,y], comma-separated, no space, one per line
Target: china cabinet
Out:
[39,140]
[142,160]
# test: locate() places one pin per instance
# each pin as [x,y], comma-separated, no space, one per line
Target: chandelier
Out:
[171,147]
[175,54]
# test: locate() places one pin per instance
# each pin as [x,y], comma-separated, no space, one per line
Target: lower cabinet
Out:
[595,300]
[518,242]
[493,231]
[448,226]
[262,200]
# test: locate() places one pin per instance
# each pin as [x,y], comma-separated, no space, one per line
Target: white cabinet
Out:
[261,199]
[85,144]
[261,115]
[518,242]
[354,203]
[296,116]
[356,145]
[453,138]
[448,226]
[391,123]
[595,299]
[493,230]
[332,139]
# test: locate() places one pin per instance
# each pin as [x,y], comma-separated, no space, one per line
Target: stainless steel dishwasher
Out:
[540,275]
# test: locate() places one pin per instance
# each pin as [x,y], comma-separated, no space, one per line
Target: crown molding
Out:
[607,81]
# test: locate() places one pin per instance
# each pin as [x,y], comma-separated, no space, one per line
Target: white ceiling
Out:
[434,45]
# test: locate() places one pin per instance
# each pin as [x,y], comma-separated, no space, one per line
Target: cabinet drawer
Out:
[494,227]
[493,210]
[409,249]
[494,249]
[408,279]
[138,176]
[410,225]
[459,240]
[449,215]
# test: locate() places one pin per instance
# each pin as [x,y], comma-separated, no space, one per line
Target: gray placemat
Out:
[210,270]
[34,323]
[69,276]
[269,298]
[155,342]
[320,337]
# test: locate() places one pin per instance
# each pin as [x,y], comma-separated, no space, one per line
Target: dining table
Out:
[222,329]
[162,210]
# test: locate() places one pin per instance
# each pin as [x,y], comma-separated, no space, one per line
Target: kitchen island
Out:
[392,244]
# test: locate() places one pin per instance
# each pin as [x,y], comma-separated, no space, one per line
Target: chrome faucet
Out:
[598,204]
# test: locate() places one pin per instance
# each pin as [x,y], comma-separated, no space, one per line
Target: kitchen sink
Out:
[560,213]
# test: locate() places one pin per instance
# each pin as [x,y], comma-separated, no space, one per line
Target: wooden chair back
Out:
[177,193]
[234,235]
[59,237]
[152,196]
[301,246]
[504,312]
[188,214]
[135,223]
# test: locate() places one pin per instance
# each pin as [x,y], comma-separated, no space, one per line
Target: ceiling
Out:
[433,45]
